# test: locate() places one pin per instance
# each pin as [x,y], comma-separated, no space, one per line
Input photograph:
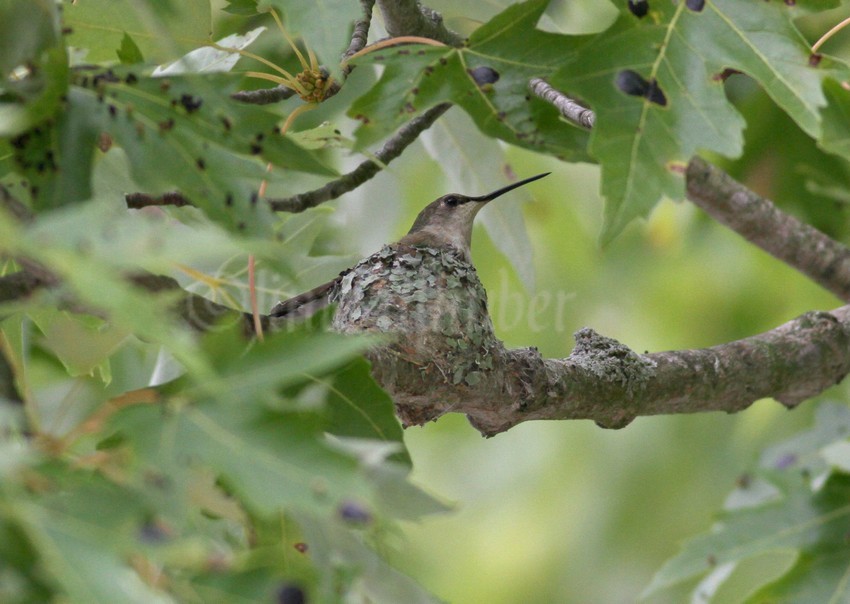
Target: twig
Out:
[8,389]
[264,96]
[407,17]
[14,206]
[302,201]
[36,273]
[570,109]
[200,313]
[361,31]
[19,286]
[136,201]
[366,170]
[760,222]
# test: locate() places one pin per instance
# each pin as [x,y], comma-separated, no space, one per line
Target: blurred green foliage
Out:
[143,461]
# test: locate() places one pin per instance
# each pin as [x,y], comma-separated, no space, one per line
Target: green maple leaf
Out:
[656,85]
[33,64]
[835,137]
[787,521]
[84,529]
[129,53]
[808,528]
[161,30]
[805,451]
[291,255]
[488,78]
[245,8]
[180,132]
[272,453]
[358,408]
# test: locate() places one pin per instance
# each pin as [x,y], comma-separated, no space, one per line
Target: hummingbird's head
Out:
[448,219]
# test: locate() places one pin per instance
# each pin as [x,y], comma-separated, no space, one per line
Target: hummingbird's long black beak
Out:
[503,190]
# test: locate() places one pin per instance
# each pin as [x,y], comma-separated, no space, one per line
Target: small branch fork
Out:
[267,96]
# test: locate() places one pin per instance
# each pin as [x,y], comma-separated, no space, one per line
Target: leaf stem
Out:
[256,57]
[830,33]
[252,289]
[393,42]
[304,64]
[278,80]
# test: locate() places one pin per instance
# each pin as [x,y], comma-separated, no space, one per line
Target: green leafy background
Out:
[242,453]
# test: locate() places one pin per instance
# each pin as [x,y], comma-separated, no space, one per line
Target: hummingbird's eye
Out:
[451,201]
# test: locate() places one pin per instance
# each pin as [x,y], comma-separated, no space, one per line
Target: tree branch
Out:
[263,96]
[361,30]
[391,149]
[8,389]
[445,357]
[200,313]
[410,18]
[137,201]
[605,381]
[757,220]
[799,245]
[570,109]
[366,170]
[20,285]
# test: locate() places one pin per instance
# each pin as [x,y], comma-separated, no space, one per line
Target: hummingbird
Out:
[444,225]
